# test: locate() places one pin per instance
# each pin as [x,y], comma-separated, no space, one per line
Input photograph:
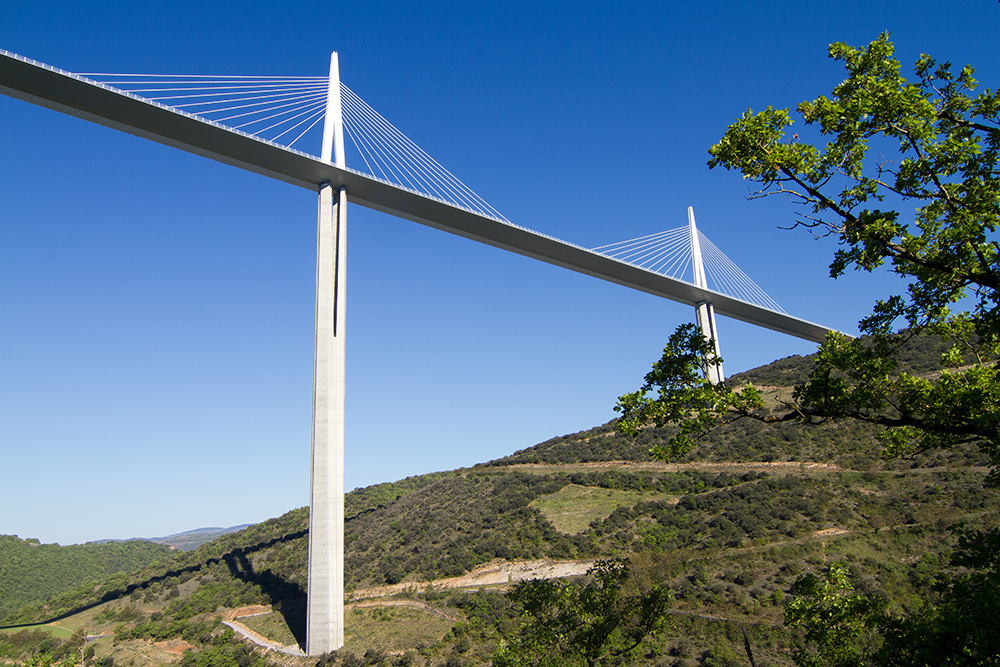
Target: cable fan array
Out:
[283,110]
[398,160]
[669,254]
[277,109]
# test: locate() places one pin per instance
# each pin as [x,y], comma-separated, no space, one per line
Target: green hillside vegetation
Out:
[30,571]
[729,530]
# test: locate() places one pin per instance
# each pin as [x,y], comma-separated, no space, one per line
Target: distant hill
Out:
[192,539]
[188,540]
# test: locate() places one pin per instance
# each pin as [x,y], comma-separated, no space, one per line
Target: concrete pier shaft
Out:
[704,311]
[325,611]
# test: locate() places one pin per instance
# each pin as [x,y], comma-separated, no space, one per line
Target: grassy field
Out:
[67,627]
[392,628]
[273,626]
[59,633]
[383,627]
[572,508]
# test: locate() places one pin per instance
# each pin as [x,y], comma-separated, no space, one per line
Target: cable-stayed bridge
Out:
[401,179]
[256,123]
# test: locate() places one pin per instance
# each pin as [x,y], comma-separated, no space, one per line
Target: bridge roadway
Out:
[55,89]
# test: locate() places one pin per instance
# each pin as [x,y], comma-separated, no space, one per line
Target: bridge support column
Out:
[705,317]
[325,606]
[704,312]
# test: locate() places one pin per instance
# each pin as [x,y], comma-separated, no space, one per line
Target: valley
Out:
[729,530]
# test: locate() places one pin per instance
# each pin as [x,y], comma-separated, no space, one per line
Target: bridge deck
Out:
[61,91]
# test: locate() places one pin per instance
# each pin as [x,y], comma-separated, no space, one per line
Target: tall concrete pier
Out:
[325,611]
[703,310]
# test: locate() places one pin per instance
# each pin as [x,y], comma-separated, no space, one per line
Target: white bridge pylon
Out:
[232,128]
[325,590]
[704,312]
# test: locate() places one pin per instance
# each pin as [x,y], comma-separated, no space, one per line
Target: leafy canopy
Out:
[590,624]
[838,622]
[930,214]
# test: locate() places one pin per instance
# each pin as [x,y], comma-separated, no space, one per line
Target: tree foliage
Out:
[958,626]
[684,397]
[947,140]
[840,624]
[962,625]
[930,214]
[582,624]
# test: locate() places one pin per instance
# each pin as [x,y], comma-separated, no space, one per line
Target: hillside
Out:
[729,529]
[30,571]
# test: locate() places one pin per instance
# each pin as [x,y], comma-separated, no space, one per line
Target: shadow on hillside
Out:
[288,597]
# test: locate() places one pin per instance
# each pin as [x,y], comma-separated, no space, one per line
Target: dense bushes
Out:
[30,571]
[222,651]
[451,526]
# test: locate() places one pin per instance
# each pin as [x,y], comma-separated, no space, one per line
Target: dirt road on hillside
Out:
[777,467]
[491,574]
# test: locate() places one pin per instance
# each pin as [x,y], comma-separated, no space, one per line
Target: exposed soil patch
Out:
[173,646]
[830,531]
[492,574]
[243,612]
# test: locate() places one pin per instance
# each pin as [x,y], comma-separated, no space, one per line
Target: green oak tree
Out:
[945,188]
[842,626]
[599,622]
[961,626]
[903,174]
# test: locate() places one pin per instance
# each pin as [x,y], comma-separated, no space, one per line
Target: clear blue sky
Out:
[156,308]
